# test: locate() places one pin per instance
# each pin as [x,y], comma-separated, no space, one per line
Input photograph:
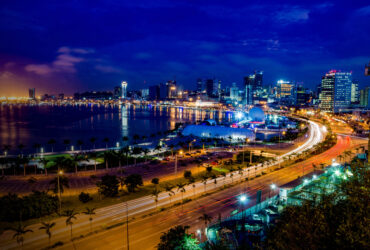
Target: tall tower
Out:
[124,90]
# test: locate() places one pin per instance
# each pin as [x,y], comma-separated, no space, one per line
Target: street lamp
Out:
[60,172]
[180,152]
[243,200]
[272,187]
[199,232]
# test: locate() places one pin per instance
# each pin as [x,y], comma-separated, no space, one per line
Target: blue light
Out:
[243,198]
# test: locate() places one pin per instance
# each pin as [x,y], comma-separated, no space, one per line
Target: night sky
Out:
[68,46]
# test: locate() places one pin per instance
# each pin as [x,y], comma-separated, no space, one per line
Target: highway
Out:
[145,229]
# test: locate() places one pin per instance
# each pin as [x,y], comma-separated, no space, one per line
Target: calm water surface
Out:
[28,125]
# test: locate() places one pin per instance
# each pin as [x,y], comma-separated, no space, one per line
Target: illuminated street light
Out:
[314,177]
[60,172]
[243,198]
[305,181]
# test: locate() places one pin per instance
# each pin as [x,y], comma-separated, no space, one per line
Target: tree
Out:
[66,143]
[71,215]
[223,175]
[181,188]
[90,212]
[52,142]
[133,181]
[80,143]
[63,183]
[84,197]
[155,181]
[209,170]
[108,186]
[106,141]
[187,174]
[155,193]
[206,219]
[47,227]
[19,233]
[168,188]
[94,155]
[177,238]
[121,181]
[192,182]
[92,141]
[204,181]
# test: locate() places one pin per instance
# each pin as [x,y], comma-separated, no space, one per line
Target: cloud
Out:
[65,62]
[40,69]
[292,14]
[107,69]
[363,11]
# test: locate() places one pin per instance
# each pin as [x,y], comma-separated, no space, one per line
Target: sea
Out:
[37,124]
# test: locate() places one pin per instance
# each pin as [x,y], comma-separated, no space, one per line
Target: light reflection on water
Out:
[28,125]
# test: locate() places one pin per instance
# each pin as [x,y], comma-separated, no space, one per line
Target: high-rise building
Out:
[302,97]
[253,85]
[124,90]
[213,87]
[365,97]
[154,92]
[167,90]
[336,90]
[32,93]
[354,92]
[117,92]
[367,70]
[285,89]
[144,93]
[234,92]
[199,85]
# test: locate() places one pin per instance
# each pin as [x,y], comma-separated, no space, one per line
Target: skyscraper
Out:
[32,93]
[199,85]
[336,90]
[367,70]
[354,92]
[365,97]
[212,87]
[124,90]
[253,85]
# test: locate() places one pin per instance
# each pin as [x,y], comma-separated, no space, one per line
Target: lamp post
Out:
[180,152]
[243,200]
[199,232]
[60,172]
[272,187]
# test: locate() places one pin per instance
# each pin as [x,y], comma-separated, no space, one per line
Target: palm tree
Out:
[74,161]
[66,143]
[94,155]
[155,193]
[52,142]
[44,163]
[126,150]
[20,231]
[223,175]
[121,181]
[181,188]
[71,215]
[47,226]
[168,188]
[145,151]
[6,148]
[90,212]
[21,147]
[79,144]
[106,141]
[125,139]
[93,140]
[204,181]
[206,219]
[192,182]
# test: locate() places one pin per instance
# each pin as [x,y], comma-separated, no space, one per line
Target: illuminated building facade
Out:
[32,93]
[124,90]
[336,88]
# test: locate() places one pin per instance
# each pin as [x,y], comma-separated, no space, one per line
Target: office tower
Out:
[234,92]
[167,90]
[302,97]
[249,89]
[199,85]
[124,90]
[144,93]
[367,70]
[154,92]
[365,97]
[253,86]
[354,92]
[336,89]
[212,87]
[286,92]
[32,93]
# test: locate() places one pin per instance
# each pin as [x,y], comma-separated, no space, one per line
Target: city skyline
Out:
[290,41]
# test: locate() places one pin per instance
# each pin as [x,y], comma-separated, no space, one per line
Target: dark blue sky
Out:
[84,45]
